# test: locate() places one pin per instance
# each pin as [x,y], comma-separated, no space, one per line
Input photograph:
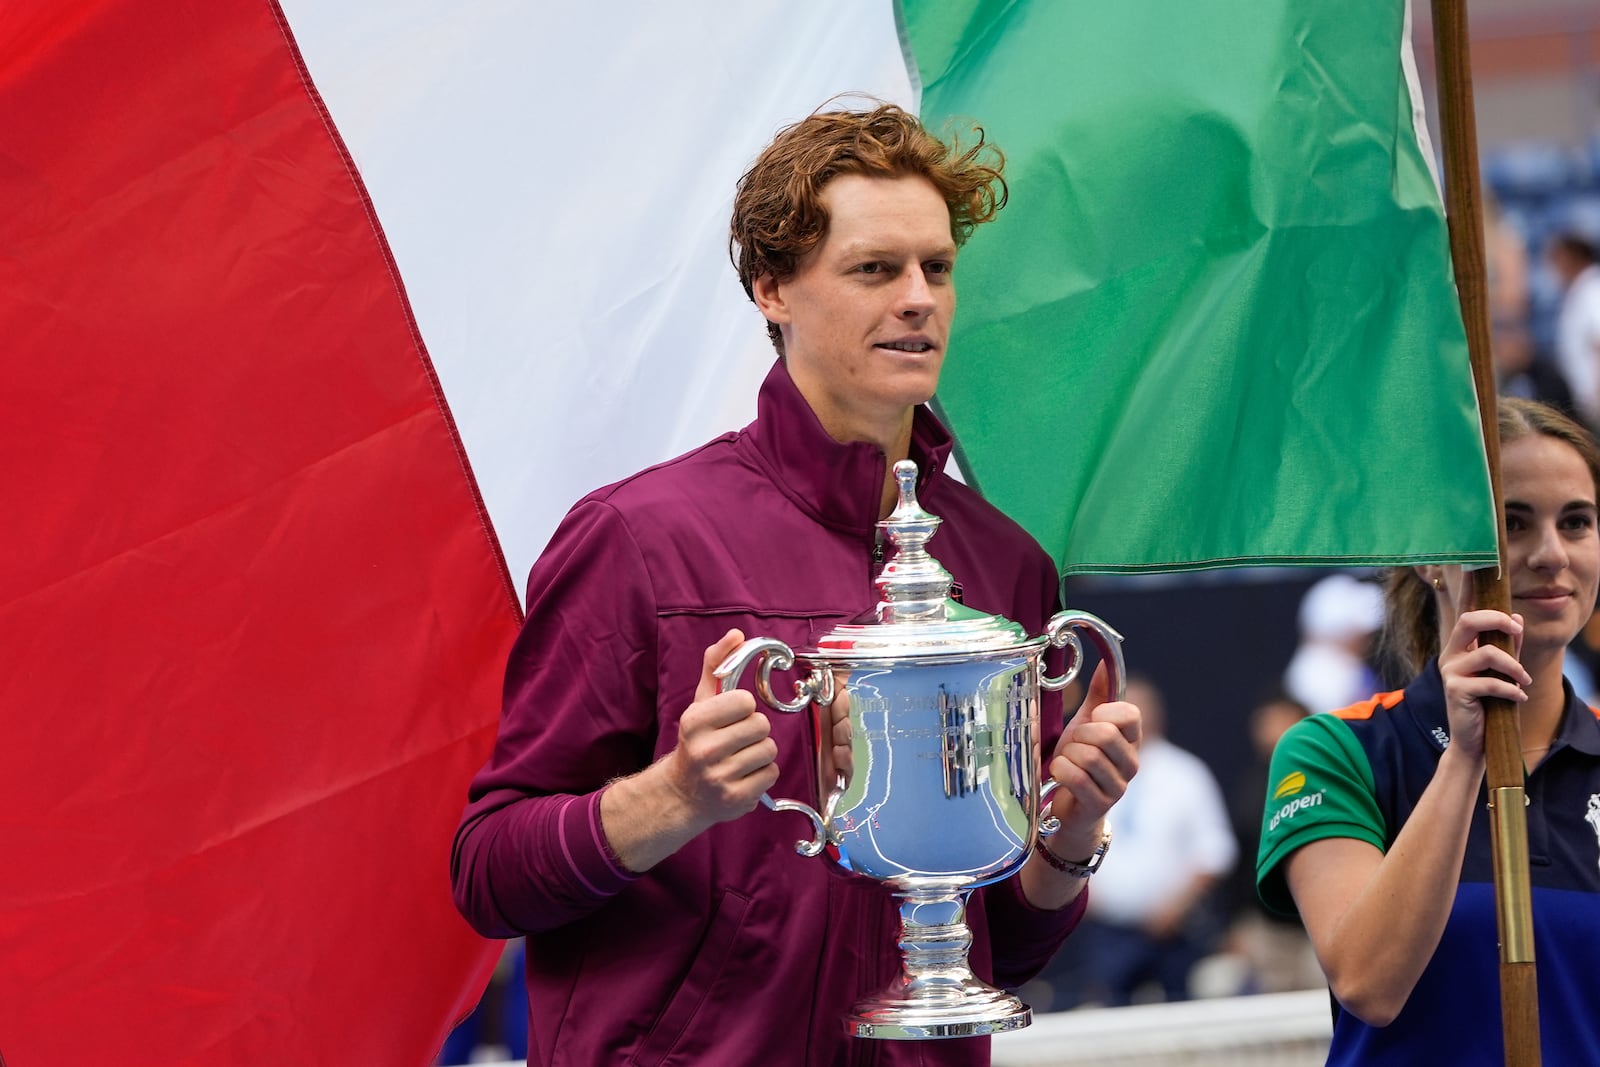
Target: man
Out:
[1340,617]
[1578,327]
[612,825]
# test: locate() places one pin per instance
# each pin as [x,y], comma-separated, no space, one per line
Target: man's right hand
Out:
[725,757]
[724,760]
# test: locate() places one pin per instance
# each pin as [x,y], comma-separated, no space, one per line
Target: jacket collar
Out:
[1579,729]
[840,485]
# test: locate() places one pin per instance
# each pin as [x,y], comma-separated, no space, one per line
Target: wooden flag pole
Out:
[1519,997]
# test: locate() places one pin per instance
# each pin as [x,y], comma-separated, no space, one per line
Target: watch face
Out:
[1100,853]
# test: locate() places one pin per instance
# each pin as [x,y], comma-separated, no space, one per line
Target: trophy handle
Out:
[1049,824]
[1062,632]
[815,687]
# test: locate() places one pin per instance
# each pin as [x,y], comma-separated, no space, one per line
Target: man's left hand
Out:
[1096,757]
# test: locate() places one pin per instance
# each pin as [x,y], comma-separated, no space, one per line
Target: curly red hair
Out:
[778,213]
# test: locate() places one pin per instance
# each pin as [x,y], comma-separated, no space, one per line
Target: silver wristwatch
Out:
[1080,869]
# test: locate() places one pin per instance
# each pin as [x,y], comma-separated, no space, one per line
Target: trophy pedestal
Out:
[936,995]
[979,1010]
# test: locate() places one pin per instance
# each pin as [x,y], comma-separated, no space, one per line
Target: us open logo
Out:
[1295,807]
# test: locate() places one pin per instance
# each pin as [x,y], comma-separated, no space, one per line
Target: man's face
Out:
[867,312]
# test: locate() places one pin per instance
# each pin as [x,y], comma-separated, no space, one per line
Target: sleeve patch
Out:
[1320,785]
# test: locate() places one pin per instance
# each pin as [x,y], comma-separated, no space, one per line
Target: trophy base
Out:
[970,1010]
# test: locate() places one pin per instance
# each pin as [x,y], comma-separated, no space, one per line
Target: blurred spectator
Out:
[1574,260]
[1517,372]
[1339,617]
[1274,951]
[1155,916]
[1506,260]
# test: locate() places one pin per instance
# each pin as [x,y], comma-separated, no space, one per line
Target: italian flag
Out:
[317,317]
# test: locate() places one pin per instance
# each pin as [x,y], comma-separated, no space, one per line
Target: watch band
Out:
[1078,869]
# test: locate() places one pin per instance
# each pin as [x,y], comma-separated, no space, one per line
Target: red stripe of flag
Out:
[252,615]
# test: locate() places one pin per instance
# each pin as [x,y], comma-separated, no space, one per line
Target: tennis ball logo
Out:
[1292,783]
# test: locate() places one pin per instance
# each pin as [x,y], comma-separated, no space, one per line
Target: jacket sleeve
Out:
[579,710]
[1022,937]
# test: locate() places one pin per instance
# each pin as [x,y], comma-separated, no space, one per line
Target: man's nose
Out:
[916,298]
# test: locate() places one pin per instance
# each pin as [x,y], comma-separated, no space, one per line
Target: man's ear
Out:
[767,292]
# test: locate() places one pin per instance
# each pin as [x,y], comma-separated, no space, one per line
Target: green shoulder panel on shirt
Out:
[1320,785]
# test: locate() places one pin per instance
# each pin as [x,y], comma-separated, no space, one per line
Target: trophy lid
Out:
[916,616]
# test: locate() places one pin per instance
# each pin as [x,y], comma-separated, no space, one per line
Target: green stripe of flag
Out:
[1216,324]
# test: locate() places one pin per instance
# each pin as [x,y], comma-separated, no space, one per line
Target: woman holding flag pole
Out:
[1376,830]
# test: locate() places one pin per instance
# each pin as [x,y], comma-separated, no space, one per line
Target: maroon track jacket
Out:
[735,950]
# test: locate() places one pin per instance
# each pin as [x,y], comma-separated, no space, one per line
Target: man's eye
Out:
[938,266]
[871,268]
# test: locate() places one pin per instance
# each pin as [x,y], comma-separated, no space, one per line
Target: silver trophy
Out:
[940,792]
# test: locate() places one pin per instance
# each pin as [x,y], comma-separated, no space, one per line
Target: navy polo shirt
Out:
[1359,773]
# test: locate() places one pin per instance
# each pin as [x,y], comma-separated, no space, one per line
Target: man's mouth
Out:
[905,346]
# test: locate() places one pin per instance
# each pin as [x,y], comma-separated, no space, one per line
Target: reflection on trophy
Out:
[940,792]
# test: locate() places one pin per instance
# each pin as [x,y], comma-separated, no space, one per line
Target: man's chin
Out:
[917,381]
[910,398]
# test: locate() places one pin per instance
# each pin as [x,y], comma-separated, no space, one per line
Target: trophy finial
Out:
[913,584]
[905,474]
